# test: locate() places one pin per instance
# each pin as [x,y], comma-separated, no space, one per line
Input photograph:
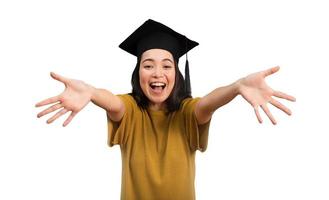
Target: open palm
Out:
[254,90]
[74,98]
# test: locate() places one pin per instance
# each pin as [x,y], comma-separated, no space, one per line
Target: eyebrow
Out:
[150,59]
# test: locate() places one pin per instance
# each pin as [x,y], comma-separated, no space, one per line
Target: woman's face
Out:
[157,76]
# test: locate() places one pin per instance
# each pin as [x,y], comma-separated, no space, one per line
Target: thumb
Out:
[271,71]
[58,77]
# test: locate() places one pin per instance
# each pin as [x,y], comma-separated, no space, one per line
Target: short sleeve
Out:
[119,131]
[197,135]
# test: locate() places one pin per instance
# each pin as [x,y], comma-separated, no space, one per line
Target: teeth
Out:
[158,84]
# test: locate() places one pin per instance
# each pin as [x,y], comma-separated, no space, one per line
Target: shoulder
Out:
[189,104]
[129,102]
[126,98]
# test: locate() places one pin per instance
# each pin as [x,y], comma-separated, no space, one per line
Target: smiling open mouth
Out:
[157,86]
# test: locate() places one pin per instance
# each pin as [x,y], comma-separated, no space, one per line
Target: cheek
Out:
[171,78]
[143,79]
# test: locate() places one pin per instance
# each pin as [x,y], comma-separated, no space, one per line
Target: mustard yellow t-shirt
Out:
[158,150]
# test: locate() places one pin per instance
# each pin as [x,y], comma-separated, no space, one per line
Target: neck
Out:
[157,107]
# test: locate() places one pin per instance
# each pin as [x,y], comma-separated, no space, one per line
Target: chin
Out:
[158,100]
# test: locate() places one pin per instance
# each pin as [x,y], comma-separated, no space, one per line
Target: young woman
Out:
[159,126]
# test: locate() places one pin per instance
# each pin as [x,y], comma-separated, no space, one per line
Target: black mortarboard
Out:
[154,35]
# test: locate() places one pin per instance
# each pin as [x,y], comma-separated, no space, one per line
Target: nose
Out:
[157,72]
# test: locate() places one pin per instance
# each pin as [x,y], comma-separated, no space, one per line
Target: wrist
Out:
[237,86]
[92,92]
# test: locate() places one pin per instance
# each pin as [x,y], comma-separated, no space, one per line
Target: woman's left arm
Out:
[252,88]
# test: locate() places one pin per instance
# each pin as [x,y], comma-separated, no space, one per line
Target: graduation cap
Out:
[154,35]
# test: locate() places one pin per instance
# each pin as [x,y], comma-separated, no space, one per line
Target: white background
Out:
[244,159]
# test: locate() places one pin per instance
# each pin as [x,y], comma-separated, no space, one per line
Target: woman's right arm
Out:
[76,96]
[111,103]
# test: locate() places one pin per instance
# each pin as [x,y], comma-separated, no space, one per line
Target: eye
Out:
[147,66]
[167,66]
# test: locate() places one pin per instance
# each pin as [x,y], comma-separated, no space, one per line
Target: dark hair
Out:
[177,95]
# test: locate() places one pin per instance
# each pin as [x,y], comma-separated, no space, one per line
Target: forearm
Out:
[108,101]
[218,97]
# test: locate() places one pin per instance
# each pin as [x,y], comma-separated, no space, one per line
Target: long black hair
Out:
[177,95]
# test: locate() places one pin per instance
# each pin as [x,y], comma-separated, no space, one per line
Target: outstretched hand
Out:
[254,89]
[74,98]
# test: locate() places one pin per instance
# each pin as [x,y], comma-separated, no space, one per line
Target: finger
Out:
[284,96]
[280,106]
[69,119]
[57,115]
[268,113]
[50,109]
[258,115]
[271,71]
[47,101]
[59,77]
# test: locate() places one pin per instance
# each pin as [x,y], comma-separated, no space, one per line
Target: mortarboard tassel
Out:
[187,74]
[187,78]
